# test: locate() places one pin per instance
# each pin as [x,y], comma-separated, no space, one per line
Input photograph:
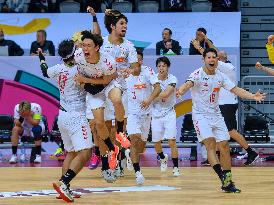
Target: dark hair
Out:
[163,59]
[169,30]
[140,53]
[43,32]
[97,39]
[112,17]
[202,30]
[208,50]
[65,49]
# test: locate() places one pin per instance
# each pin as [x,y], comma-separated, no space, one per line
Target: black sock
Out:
[249,150]
[218,153]
[175,162]
[109,144]
[226,171]
[161,155]
[136,167]
[105,165]
[120,126]
[68,176]
[62,145]
[97,151]
[14,150]
[38,149]
[218,169]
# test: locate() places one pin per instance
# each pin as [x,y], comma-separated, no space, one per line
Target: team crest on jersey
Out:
[103,190]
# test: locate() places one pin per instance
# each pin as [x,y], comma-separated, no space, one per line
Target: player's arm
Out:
[168,91]
[268,70]
[43,65]
[155,93]
[270,48]
[34,119]
[184,88]
[18,122]
[95,24]
[242,93]
[105,79]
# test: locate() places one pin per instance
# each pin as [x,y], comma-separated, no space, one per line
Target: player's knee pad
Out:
[37,132]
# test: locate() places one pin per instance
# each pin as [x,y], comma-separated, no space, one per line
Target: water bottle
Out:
[161,52]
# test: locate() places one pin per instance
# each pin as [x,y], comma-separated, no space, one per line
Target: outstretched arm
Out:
[43,65]
[95,24]
[247,95]
[268,70]
[184,88]
[155,93]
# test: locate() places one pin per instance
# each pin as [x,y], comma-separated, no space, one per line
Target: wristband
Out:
[95,19]
[21,119]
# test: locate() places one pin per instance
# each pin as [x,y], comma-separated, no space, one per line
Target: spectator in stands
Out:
[14,6]
[40,6]
[27,122]
[41,42]
[13,48]
[95,4]
[175,5]
[224,5]
[167,45]
[270,48]
[200,43]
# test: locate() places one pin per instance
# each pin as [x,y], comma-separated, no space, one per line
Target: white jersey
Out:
[124,54]
[227,97]
[72,96]
[139,88]
[35,108]
[205,92]
[161,107]
[79,55]
[105,66]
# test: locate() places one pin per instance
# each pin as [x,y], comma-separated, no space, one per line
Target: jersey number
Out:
[134,95]
[212,97]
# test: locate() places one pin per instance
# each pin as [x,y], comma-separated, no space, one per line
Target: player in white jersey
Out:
[142,88]
[163,123]
[205,84]
[229,104]
[27,122]
[72,121]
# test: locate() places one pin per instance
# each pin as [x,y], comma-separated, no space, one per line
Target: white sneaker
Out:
[164,163]
[140,179]
[38,159]
[22,158]
[176,172]
[109,175]
[129,162]
[13,159]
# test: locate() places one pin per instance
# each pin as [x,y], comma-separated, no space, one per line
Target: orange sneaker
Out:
[63,190]
[75,195]
[122,138]
[112,158]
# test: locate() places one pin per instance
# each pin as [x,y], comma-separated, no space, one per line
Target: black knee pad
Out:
[37,131]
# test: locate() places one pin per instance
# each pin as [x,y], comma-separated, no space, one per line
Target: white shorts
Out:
[98,100]
[28,128]
[164,127]
[75,131]
[210,125]
[139,124]
[109,111]
[125,101]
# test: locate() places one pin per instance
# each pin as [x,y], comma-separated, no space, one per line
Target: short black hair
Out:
[97,39]
[169,30]
[202,30]
[208,50]
[139,52]
[163,59]
[65,49]
[112,17]
[43,32]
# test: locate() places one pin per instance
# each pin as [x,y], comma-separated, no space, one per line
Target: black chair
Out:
[6,125]
[256,129]
[188,133]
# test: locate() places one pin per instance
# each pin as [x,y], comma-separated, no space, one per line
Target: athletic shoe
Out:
[108,175]
[176,172]
[38,159]
[119,172]
[122,138]
[164,163]
[230,188]
[13,159]
[63,190]
[129,162]
[226,179]
[140,179]
[94,161]
[58,155]
[205,163]
[22,158]
[251,158]
[74,194]
[112,158]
